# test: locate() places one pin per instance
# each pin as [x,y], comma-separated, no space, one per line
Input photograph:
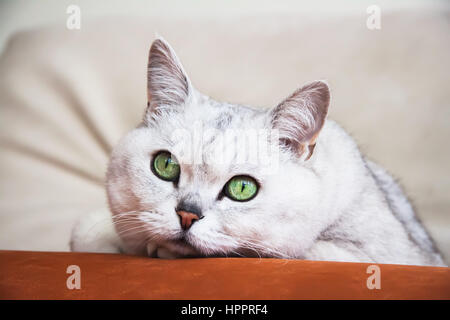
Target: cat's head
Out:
[185,183]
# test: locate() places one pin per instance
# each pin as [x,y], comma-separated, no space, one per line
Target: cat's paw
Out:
[95,232]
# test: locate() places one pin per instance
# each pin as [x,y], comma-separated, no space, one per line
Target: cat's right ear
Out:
[300,117]
[167,83]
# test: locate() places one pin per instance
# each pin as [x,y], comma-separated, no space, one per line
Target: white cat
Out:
[324,201]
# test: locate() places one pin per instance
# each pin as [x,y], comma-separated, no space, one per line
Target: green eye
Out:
[241,188]
[166,167]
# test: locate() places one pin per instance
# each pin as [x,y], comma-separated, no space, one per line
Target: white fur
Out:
[330,207]
[95,233]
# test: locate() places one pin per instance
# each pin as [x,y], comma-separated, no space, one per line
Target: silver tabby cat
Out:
[322,201]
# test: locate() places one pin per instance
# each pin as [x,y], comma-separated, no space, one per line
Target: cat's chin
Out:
[172,249]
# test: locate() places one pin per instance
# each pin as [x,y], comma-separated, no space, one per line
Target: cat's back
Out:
[341,155]
[403,211]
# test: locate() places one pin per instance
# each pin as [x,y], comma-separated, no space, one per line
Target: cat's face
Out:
[192,179]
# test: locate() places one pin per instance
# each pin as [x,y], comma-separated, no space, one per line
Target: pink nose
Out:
[187,219]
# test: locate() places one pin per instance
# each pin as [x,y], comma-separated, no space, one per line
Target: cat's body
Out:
[325,201]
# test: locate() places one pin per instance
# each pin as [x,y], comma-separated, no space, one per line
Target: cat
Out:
[323,201]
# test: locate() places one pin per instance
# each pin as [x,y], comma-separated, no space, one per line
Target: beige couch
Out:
[66,97]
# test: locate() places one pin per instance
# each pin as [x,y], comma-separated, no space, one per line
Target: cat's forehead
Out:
[212,139]
[220,115]
[207,114]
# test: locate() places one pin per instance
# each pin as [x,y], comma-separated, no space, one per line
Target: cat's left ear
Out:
[167,82]
[300,117]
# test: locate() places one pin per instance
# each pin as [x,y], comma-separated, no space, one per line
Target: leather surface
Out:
[42,275]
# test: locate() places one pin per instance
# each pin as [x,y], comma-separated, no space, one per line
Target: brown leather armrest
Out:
[42,275]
